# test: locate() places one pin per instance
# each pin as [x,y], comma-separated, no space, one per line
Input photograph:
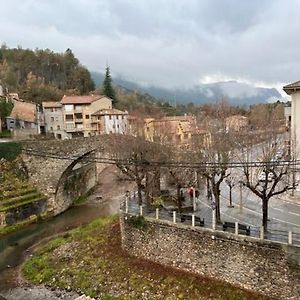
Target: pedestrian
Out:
[191,193]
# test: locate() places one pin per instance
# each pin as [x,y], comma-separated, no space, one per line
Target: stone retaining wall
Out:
[246,262]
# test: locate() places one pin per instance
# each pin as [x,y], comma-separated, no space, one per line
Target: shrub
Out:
[138,222]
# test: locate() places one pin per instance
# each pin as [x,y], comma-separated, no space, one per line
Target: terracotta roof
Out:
[112,111]
[292,87]
[81,99]
[51,104]
[24,111]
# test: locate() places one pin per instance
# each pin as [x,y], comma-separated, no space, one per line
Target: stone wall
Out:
[48,161]
[73,184]
[242,261]
[24,212]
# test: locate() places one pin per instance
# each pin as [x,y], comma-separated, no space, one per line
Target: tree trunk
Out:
[230,196]
[208,189]
[140,199]
[147,189]
[265,202]
[216,192]
[179,198]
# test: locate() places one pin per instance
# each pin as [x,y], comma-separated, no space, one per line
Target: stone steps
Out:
[15,193]
[20,201]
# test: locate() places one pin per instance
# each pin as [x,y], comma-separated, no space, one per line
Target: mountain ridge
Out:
[235,92]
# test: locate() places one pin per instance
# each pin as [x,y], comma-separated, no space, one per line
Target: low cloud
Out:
[165,43]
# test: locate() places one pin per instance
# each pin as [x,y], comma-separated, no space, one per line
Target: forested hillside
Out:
[42,75]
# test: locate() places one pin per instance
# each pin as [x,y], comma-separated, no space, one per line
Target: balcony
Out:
[73,128]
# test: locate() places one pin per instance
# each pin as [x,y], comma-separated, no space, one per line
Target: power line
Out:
[177,164]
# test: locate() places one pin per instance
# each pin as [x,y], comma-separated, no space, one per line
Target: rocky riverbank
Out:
[90,260]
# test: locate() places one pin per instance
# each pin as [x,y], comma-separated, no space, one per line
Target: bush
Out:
[157,201]
[10,151]
[138,222]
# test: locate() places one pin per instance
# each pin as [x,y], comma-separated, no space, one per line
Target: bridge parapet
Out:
[49,161]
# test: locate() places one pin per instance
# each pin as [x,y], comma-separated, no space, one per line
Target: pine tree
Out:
[107,88]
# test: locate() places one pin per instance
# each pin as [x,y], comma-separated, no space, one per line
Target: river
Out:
[16,246]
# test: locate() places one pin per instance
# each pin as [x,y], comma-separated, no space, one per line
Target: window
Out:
[52,119]
[69,117]
[87,116]
[51,128]
[58,127]
[69,107]
[122,117]
[110,117]
[78,116]
[117,117]
[118,126]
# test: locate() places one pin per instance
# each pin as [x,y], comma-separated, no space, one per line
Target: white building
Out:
[293,90]
[110,121]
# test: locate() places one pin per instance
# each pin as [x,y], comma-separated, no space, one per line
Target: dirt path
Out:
[111,185]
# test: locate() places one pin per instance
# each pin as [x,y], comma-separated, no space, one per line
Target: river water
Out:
[16,246]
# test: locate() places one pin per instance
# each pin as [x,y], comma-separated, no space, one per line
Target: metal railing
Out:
[131,207]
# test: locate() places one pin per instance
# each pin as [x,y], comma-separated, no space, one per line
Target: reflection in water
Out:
[14,247]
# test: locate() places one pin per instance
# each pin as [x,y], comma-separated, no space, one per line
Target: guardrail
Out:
[286,237]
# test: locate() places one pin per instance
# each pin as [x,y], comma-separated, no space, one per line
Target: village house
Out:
[53,119]
[90,115]
[109,121]
[77,113]
[236,123]
[23,119]
[175,129]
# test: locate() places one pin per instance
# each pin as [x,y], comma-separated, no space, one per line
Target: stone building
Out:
[23,118]
[53,119]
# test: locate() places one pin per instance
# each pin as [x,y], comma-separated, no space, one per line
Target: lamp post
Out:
[241,194]
[127,197]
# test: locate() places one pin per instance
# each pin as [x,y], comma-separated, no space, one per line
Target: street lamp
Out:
[127,197]
[241,194]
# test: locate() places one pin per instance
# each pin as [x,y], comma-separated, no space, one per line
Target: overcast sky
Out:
[165,42]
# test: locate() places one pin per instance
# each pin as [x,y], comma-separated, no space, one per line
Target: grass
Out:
[5,134]
[11,228]
[10,150]
[90,260]
[15,192]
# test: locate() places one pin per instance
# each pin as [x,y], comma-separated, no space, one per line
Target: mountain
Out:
[236,93]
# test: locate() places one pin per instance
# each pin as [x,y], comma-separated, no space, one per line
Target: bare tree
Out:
[231,182]
[270,176]
[140,160]
[215,154]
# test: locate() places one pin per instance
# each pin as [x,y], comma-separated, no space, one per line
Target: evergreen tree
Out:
[107,88]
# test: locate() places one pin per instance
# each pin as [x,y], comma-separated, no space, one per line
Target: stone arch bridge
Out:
[66,169]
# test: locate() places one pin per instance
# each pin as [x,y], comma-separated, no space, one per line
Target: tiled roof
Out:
[24,111]
[112,111]
[292,87]
[51,104]
[80,99]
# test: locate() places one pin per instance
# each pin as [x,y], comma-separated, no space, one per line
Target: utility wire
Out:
[177,164]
